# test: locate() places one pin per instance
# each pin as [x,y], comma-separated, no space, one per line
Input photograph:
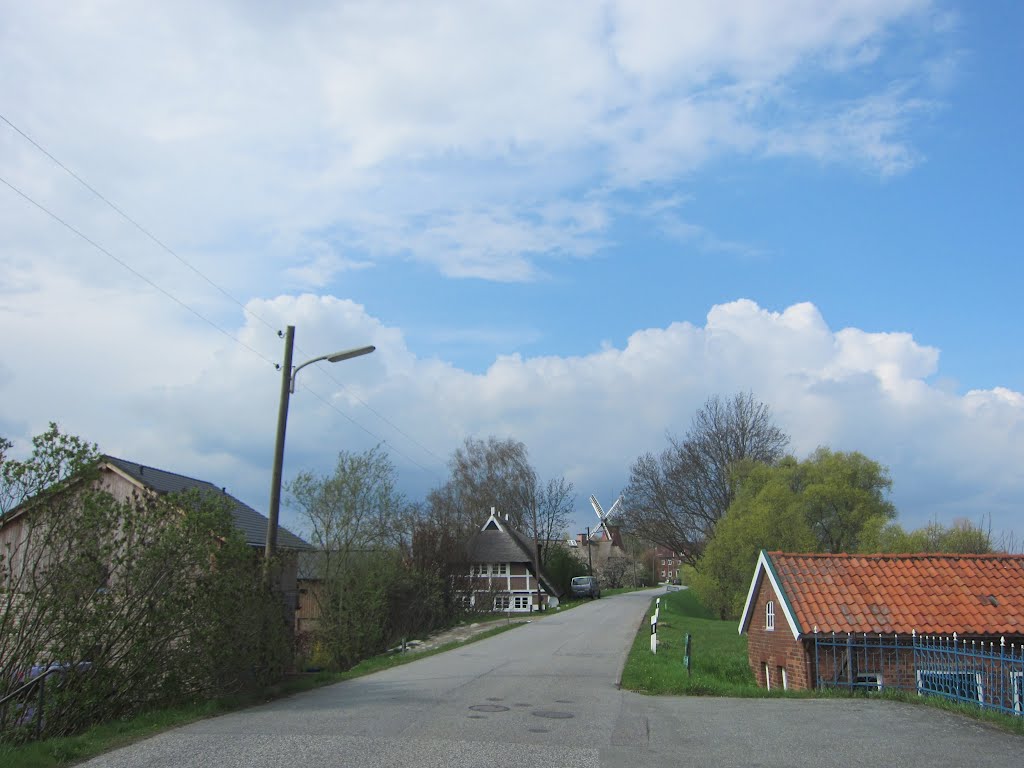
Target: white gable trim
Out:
[763,569]
[497,521]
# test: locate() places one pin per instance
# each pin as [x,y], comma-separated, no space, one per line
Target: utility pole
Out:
[590,559]
[282,422]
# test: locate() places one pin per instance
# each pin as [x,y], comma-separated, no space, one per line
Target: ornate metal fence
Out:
[986,672]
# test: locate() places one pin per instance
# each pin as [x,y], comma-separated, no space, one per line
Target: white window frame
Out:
[946,673]
[502,601]
[769,616]
[501,569]
[521,602]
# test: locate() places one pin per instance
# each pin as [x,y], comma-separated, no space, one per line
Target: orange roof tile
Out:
[969,594]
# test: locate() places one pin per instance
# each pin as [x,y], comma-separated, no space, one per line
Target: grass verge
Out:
[718,654]
[67,750]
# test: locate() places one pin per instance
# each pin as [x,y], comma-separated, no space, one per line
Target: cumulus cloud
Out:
[192,401]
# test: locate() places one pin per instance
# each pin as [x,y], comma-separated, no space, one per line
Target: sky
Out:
[565,223]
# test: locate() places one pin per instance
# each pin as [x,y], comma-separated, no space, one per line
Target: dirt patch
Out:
[457,634]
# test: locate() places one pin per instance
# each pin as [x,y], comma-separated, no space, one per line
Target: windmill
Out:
[603,516]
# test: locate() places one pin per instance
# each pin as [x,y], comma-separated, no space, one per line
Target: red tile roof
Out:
[932,594]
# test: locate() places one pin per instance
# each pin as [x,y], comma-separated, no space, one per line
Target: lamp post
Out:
[287,387]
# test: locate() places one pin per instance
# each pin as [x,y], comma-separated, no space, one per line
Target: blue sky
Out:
[565,224]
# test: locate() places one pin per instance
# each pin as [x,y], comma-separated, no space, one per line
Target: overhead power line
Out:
[134,271]
[132,221]
[170,251]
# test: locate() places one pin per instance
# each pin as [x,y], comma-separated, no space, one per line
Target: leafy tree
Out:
[830,502]
[843,496]
[766,514]
[358,506]
[961,537]
[362,526]
[150,601]
[677,498]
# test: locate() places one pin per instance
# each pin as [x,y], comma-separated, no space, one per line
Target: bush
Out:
[153,601]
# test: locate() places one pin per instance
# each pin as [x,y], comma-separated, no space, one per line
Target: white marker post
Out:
[654,634]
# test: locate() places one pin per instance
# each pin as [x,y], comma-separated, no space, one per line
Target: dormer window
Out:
[769,616]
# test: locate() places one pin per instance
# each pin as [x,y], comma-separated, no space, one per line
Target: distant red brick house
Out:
[668,564]
[879,606]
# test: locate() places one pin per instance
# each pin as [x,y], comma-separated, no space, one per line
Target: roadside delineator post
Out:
[654,634]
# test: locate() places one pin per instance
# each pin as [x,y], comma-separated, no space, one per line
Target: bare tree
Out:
[551,512]
[493,473]
[677,498]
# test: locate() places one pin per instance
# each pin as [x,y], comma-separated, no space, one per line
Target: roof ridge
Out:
[109,457]
[902,555]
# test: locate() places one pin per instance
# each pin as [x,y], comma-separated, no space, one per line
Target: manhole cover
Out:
[476,717]
[552,715]
[489,708]
[538,730]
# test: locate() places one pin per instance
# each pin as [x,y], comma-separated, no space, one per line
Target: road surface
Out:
[544,695]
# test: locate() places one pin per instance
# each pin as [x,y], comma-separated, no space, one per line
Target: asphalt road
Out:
[544,695]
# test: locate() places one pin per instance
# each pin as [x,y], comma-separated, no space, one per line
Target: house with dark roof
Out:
[935,623]
[121,476]
[502,571]
[125,480]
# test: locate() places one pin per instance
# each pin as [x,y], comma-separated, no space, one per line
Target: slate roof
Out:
[927,593]
[251,523]
[504,546]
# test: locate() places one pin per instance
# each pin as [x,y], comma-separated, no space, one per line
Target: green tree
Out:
[962,537]
[843,495]
[150,601]
[766,514]
[830,502]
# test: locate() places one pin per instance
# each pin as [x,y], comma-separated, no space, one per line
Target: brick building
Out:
[668,565]
[858,619]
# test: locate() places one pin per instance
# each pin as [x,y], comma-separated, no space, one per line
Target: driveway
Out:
[545,695]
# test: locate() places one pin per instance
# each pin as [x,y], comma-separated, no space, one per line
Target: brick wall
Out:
[777,649]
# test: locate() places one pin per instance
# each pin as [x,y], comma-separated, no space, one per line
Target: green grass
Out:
[66,750]
[718,654]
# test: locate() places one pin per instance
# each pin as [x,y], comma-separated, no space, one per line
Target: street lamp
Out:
[288,375]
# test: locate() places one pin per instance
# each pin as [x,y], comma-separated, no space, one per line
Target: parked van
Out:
[586,586]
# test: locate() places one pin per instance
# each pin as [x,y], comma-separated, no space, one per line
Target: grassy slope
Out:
[718,654]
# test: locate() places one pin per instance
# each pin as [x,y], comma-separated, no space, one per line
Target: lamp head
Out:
[348,354]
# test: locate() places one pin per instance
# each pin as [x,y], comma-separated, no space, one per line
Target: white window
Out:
[769,616]
[767,676]
[501,602]
[954,685]
[501,569]
[520,602]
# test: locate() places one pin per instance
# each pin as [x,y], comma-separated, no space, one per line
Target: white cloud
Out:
[190,401]
[432,130]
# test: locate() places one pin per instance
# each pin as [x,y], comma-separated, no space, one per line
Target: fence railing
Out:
[987,672]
